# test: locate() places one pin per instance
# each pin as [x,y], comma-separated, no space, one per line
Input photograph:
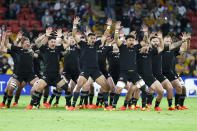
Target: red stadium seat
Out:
[31,17]
[13,22]
[25,10]
[16,29]
[3,22]
[3,10]
[194,19]
[26,22]
[29,28]
[35,22]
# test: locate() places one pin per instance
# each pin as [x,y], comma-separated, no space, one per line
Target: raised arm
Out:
[161,43]
[5,40]
[116,36]
[18,38]
[179,43]
[185,45]
[42,37]
[74,30]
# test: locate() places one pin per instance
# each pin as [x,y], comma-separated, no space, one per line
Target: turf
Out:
[56,119]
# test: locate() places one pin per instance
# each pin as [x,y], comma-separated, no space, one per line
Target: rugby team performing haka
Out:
[142,62]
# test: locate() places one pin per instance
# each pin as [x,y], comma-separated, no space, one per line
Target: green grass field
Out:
[58,119]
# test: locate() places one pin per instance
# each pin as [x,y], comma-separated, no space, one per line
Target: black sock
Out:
[177,99]
[134,101]
[182,99]
[150,97]
[111,95]
[65,87]
[35,98]
[16,98]
[5,96]
[169,102]
[126,103]
[105,98]
[86,97]
[45,98]
[68,98]
[75,97]
[39,99]
[91,96]
[116,98]
[99,97]
[9,100]
[53,96]
[144,95]
[130,102]
[58,95]
[157,104]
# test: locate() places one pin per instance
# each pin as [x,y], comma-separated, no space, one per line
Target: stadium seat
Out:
[3,10]
[3,22]
[29,28]
[26,22]
[13,22]
[15,29]
[25,10]
[35,22]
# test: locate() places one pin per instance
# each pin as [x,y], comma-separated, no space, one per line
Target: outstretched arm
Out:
[116,37]
[161,43]
[41,38]
[74,31]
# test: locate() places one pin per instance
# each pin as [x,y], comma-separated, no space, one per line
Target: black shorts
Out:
[105,72]
[27,77]
[114,73]
[149,79]
[159,77]
[132,76]
[176,73]
[52,78]
[171,76]
[93,73]
[71,74]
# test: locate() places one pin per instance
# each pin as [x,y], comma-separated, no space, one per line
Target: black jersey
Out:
[157,64]
[37,61]
[168,62]
[102,55]
[51,58]
[144,62]
[113,60]
[128,57]
[88,55]
[71,58]
[13,55]
[24,61]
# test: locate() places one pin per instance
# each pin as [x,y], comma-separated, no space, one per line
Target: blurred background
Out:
[170,16]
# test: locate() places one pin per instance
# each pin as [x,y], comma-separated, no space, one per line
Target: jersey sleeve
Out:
[60,48]
[176,51]
[137,47]
[43,48]
[15,48]
[98,43]
[82,44]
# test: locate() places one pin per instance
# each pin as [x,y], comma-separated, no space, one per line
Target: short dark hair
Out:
[91,34]
[153,38]
[130,36]
[51,37]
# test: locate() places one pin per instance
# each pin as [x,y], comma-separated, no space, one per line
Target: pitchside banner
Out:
[190,83]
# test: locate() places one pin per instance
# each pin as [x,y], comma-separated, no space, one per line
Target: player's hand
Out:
[133,33]
[184,36]
[118,25]
[20,35]
[76,21]
[159,35]
[144,28]
[49,31]
[59,33]
[109,21]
